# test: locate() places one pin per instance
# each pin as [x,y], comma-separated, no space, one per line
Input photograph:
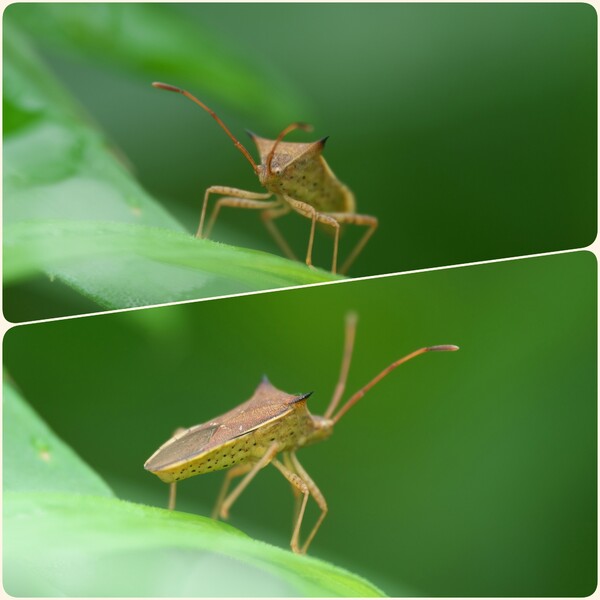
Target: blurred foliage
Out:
[152,40]
[72,211]
[34,459]
[59,516]
[464,474]
[120,265]
[469,130]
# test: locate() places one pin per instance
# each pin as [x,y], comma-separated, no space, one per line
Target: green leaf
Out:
[72,210]
[35,459]
[65,535]
[93,546]
[123,265]
[159,41]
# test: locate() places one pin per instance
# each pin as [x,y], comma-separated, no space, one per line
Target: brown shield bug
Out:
[298,178]
[252,435]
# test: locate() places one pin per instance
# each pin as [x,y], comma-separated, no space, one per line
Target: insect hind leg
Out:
[237,471]
[262,462]
[268,218]
[361,220]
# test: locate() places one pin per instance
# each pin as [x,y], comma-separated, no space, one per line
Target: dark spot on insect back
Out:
[225,465]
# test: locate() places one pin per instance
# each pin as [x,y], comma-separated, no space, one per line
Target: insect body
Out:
[252,435]
[297,179]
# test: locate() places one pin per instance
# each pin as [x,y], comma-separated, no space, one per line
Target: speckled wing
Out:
[267,403]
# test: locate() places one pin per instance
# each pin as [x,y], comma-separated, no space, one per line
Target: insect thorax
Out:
[308,180]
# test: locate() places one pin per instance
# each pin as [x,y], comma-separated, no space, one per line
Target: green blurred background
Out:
[464,474]
[469,130]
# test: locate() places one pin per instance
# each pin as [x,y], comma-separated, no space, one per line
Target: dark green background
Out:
[469,130]
[464,474]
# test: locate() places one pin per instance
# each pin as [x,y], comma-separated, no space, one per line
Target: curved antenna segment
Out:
[288,129]
[354,399]
[351,320]
[238,145]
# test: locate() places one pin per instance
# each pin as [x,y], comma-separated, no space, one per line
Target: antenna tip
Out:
[443,348]
[305,126]
[166,86]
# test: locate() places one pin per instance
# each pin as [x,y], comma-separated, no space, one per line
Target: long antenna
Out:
[238,145]
[351,319]
[288,129]
[354,399]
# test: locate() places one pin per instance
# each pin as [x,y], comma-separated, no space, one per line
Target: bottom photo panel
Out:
[428,434]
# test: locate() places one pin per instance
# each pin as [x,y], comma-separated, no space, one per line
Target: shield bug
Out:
[252,435]
[297,179]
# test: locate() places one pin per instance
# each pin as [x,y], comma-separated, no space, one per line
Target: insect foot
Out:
[297,179]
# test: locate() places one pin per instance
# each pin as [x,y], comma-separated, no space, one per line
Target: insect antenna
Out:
[351,320]
[358,395]
[288,129]
[238,144]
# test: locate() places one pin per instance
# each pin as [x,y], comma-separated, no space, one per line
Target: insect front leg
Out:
[316,494]
[299,484]
[310,212]
[287,461]
[234,194]
[361,220]
[262,462]
[236,471]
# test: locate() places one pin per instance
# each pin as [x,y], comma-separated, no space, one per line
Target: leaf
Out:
[93,546]
[35,459]
[158,40]
[59,542]
[123,265]
[72,210]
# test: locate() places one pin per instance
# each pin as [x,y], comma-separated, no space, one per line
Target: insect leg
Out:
[316,494]
[268,216]
[297,482]
[352,219]
[287,461]
[263,461]
[173,484]
[233,472]
[226,191]
[310,212]
[237,203]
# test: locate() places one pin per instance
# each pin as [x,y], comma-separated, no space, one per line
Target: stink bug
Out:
[249,437]
[300,180]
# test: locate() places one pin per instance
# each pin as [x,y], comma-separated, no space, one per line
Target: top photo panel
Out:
[156,153]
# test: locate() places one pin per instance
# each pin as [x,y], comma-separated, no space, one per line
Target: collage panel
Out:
[455,133]
[468,473]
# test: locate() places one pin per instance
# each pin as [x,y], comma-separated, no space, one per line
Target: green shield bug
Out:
[252,435]
[298,178]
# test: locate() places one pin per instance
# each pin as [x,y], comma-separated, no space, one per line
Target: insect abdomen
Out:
[232,453]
